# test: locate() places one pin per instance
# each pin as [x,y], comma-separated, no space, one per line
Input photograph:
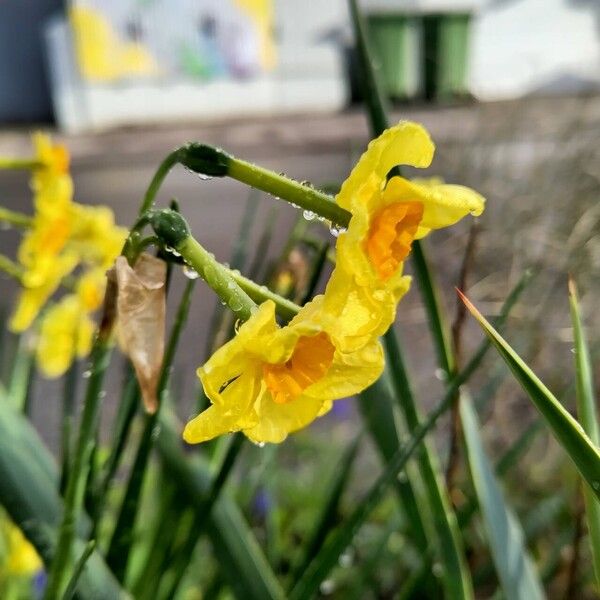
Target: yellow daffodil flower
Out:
[21,559]
[63,235]
[51,182]
[66,332]
[387,216]
[269,381]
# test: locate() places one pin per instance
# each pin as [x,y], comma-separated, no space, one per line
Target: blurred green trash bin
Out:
[445,54]
[395,42]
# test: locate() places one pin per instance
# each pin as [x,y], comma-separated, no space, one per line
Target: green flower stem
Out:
[61,565]
[11,268]
[292,191]
[218,277]
[27,164]
[259,293]
[163,170]
[17,219]
[174,232]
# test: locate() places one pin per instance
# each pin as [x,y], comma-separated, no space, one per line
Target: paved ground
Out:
[114,168]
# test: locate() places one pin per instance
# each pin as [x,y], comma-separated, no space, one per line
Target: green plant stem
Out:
[451,552]
[16,219]
[60,567]
[21,164]
[303,196]
[217,276]
[11,268]
[78,570]
[68,421]
[159,176]
[259,293]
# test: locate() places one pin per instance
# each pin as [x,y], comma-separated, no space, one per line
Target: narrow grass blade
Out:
[202,512]
[78,570]
[319,568]
[377,410]
[326,520]
[516,571]
[456,578]
[566,429]
[586,410]
[239,555]
[21,372]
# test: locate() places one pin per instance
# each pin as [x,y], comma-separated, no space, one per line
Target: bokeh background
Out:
[509,89]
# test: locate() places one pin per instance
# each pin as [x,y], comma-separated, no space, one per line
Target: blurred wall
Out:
[24,86]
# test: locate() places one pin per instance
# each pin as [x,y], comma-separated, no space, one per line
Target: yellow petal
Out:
[231,413]
[444,204]
[276,421]
[58,336]
[407,143]
[31,299]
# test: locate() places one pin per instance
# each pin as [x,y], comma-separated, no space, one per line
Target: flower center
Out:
[390,236]
[311,359]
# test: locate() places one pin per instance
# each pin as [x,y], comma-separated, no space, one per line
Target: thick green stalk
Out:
[172,228]
[259,293]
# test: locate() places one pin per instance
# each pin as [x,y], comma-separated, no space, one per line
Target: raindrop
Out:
[437,570]
[309,215]
[237,325]
[87,374]
[335,230]
[441,374]
[259,444]
[190,272]
[231,285]
[204,176]
[347,558]
[596,485]
[573,351]
[327,587]
[155,432]
[102,394]
[402,477]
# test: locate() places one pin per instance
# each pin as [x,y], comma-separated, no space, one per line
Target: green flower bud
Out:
[169,226]
[205,160]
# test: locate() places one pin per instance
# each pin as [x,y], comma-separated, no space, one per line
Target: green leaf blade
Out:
[586,411]
[565,428]
[516,571]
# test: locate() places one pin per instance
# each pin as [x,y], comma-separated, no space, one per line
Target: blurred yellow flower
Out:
[66,332]
[21,559]
[63,234]
[51,181]
[387,216]
[269,381]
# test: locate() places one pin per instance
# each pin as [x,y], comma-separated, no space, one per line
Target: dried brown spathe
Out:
[141,320]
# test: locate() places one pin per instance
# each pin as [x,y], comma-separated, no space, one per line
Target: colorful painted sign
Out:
[202,39]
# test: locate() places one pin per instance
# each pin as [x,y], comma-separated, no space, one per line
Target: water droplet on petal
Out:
[309,215]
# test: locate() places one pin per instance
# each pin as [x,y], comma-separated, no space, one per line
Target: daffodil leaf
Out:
[516,571]
[568,432]
[586,411]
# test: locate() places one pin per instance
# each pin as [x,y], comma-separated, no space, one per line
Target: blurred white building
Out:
[120,62]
